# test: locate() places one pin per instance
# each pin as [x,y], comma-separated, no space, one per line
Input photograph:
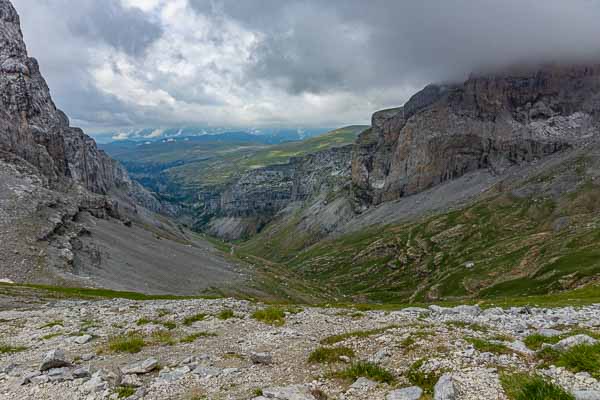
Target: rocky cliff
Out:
[258,195]
[31,127]
[488,122]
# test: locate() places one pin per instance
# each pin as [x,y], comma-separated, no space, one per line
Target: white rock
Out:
[142,367]
[586,395]
[82,339]
[572,341]
[292,392]
[444,388]
[363,383]
[54,359]
[409,393]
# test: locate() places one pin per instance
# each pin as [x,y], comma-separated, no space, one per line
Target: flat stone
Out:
[142,367]
[573,341]
[363,383]
[27,377]
[175,374]
[131,380]
[520,347]
[292,392]
[95,384]
[82,339]
[54,359]
[206,372]
[81,373]
[261,358]
[546,332]
[409,393]
[586,394]
[444,388]
[466,309]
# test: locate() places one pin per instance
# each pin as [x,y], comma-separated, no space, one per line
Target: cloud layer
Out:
[124,64]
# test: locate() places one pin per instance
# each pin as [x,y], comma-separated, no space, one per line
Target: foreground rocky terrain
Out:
[232,349]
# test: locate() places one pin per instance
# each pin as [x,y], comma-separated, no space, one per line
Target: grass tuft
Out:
[51,324]
[367,370]
[527,387]
[124,391]
[355,334]
[329,355]
[535,341]
[225,314]
[270,315]
[128,343]
[485,346]
[425,380]
[195,336]
[8,349]
[194,318]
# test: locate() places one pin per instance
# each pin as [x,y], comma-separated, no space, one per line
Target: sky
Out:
[120,65]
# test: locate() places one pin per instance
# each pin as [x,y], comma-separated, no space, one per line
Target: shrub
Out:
[367,370]
[270,315]
[128,343]
[329,355]
[527,387]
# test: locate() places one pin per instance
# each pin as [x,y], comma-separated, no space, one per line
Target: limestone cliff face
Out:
[258,195]
[32,128]
[492,122]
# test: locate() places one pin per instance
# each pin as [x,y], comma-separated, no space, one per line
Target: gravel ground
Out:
[241,357]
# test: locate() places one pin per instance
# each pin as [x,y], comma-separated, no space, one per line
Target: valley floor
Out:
[234,349]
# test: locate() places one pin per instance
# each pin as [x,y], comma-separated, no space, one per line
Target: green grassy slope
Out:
[518,246]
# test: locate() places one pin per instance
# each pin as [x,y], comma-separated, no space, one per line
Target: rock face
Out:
[259,194]
[31,127]
[493,122]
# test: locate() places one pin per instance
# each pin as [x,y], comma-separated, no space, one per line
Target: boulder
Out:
[142,367]
[261,358]
[573,341]
[444,388]
[54,359]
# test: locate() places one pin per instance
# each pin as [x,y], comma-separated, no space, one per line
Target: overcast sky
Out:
[123,64]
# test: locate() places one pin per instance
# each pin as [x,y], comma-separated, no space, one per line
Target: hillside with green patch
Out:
[507,244]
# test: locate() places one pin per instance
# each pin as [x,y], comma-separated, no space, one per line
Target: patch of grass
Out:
[51,335]
[8,349]
[167,324]
[143,321]
[163,337]
[226,314]
[408,342]
[485,346]
[535,341]
[367,370]
[51,324]
[580,358]
[128,343]
[170,325]
[329,354]
[425,380]
[195,336]
[124,391]
[356,334]
[162,312]
[270,315]
[257,392]
[193,318]
[527,387]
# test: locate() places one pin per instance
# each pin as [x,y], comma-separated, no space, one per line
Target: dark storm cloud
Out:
[126,29]
[356,56]
[314,45]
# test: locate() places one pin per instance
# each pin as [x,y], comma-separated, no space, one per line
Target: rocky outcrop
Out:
[491,122]
[259,194]
[32,128]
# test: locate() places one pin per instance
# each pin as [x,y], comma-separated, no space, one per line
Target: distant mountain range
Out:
[271,135]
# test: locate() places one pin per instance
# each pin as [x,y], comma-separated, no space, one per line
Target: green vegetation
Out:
[124,391]
[51,335]
[194,318]
[270,315]
[167,324]
[225,314]
[329,354]
[8,349]
[584,357]
[356,334]
[527,387]
[489,347]
[195,336]
[425,380]
[535,341]
[127,343]
[367,370]
[163,337]
[51,324]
